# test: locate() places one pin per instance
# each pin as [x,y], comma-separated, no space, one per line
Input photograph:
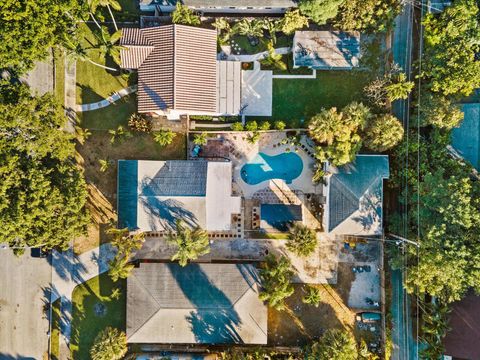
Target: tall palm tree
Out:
[75,51]
[191,243]
[108,45]
[273,59]
[92,8]
[109,4]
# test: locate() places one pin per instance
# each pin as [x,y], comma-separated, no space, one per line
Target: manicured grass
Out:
[93,82]
[111,116]
[55,337]
[86,323]
[59,75]
[297,100]
[288,60]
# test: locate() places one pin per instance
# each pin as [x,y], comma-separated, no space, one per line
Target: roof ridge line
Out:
[174,27]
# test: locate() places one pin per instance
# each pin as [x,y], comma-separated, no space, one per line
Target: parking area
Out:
[24,292]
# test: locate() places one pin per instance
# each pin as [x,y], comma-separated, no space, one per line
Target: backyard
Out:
[300,323]
[96,304]
[297,100]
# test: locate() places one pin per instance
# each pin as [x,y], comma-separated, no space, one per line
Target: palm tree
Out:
[119,268]
[164,137]
[109,45]
[110,344]
[250,28]
[302,240]
[75,51]
[125,242]
[109,4]
[272,27]
[92,8]
[276,277]
[184,15]
[191,243]
[312,297]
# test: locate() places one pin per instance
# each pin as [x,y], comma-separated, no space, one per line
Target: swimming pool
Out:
[285,166]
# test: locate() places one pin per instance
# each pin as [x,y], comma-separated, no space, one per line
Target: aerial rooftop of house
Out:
[178,71]
[466,138]
[355,196]
[326,49]
[199,303]
[266,6]
[152,195]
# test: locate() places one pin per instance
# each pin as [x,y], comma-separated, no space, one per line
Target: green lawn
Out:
[296,100]
[55,337]
[86,323]
[59,75]
[93,82]
[111,116]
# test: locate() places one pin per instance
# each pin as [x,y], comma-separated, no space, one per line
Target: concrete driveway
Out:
[24,289]
[40,78]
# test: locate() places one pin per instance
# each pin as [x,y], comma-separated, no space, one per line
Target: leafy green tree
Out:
[190,243]
[334,344]
[337,133]
[164,137]
[42,191]
[292,21]
[110,344]
[76,52]
[302,240]
[252,28]
[434,328]
[319,11]
[399,88]
[185,16]
[383,133]
[272,59]
[312,296]
[368,15]
[31,28]
[446,224]
[451,41]
[125,243]
[200,139]
[276,275]
[439,111]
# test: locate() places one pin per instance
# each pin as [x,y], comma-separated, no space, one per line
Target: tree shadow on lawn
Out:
[86,322]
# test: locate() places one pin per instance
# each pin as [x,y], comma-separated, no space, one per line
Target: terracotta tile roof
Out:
[176,67]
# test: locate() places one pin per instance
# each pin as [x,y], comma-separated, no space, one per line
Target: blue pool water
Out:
[285,166]
[279,216]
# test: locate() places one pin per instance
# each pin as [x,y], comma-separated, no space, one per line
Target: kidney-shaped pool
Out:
[286,166]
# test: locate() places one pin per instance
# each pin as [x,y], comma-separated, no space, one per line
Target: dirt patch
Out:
[302,323]
[102,186]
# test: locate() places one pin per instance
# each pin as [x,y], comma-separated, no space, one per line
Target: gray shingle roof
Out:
[176,67]
[199,303]
[357,186]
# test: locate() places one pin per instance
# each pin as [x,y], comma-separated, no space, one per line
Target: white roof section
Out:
[198,192]
[229,84]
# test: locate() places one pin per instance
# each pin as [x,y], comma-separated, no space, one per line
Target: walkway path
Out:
[70,94]
[70,270]
[108,101]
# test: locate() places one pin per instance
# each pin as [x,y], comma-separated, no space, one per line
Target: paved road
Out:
[24,287]
[40,79]
[402,55]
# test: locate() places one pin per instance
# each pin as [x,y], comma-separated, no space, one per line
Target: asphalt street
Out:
[24,290]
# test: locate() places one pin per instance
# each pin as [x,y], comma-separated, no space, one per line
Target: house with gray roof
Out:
[196,304]
[326,50]
[152,195]
[354,196]
[178,71]
[466,138]
[221,6]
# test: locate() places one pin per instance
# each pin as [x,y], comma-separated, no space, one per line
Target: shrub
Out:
[312,297]
[265,125]
[276,274]
[253,137]
[200,139]
[251,126]
[279,125]
[110,344]
[184,15]
[138,123]
[164,137]
[383,133]
[302,240]
[237,126]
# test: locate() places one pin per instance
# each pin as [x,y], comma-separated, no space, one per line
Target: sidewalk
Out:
[108,101]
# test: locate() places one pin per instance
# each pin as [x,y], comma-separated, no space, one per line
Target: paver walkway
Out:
[108,101]
[257,56]
[70,270]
